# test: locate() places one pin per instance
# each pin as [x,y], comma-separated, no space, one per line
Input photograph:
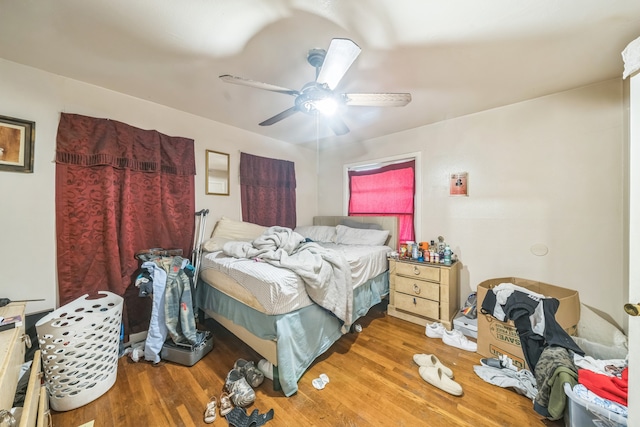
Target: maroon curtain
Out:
[268,191]
[119,190]
[385,191]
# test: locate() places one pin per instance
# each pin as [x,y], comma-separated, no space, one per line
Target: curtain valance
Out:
[259,171]
[121,146]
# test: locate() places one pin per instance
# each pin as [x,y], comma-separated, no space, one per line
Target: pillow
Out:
[318,233]
[360,236]
[357,224]
[227,230]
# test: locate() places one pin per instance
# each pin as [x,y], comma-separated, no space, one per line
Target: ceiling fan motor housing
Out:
[314,93]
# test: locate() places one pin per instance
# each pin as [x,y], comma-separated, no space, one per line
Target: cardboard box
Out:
[468,327]
[496,338]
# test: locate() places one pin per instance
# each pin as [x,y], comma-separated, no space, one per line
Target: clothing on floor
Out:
[238,418]
[521,381]
[553,361]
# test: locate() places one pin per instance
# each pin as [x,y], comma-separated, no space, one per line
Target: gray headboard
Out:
[386,222]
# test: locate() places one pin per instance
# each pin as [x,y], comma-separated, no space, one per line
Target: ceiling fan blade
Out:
[258,85]
[378,99]
[339,127]
[340,56]
[283,115]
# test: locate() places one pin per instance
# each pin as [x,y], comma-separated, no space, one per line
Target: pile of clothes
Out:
[169,281]
[553,357]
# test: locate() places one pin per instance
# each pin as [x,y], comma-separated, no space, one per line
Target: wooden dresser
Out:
[422,292]
[13,343]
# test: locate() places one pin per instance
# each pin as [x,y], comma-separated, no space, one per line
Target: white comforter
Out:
[326,273]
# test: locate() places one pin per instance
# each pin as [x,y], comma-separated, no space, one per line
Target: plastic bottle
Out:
[447,255]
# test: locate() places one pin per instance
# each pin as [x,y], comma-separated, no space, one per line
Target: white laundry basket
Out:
[79,343]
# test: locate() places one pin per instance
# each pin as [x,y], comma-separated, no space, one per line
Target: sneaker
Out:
[239,389]
[435,330]
[253,376]
[455,338]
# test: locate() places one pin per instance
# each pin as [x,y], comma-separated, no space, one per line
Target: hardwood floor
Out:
[373,382]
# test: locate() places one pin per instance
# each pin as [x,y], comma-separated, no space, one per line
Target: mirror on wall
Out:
[217,173]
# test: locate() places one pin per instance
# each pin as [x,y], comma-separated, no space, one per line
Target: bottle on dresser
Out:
[447,255]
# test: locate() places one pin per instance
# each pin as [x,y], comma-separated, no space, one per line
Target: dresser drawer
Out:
[423,272]
[416,305]
[418,288]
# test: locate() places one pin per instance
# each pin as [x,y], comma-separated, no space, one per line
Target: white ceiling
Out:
[455,57]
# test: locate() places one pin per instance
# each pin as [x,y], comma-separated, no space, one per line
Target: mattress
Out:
[272,290]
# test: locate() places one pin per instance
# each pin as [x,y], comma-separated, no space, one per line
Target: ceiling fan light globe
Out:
[326,106]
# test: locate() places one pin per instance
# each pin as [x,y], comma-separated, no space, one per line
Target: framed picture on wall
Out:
[458,184]
[17,138]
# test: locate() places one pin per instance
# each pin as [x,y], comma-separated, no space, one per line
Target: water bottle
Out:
[447,255]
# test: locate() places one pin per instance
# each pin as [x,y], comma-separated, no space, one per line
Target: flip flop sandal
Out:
[225,404]
[210,410]
[318,383]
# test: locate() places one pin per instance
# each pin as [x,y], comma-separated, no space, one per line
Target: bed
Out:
[269,308]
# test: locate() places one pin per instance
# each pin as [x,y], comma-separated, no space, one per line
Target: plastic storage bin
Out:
[581,413]
[79,343]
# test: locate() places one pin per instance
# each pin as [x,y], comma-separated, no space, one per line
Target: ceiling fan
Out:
[318,96]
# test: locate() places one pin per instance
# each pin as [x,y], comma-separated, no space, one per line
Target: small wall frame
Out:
[458,184]
[217,179]
[17,138]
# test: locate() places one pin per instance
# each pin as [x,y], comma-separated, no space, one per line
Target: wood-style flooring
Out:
[373,382]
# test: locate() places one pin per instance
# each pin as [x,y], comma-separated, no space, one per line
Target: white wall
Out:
[547,171]
[27,210]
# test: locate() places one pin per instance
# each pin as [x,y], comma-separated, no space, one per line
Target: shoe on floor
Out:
[239,389]
[210,411]
[437,378]
[225,404]
[266,368]
[427,360]
[455,338]
[434,330]
[247,368]
[491,362]
[503,362]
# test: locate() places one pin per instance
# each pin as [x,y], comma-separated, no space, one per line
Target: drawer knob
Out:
[416,289]
[416,270]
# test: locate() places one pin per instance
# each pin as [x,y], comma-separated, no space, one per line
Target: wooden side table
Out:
[422,292]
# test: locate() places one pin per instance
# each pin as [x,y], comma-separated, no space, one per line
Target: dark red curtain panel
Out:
[389,191]
[119,190]
[268,191]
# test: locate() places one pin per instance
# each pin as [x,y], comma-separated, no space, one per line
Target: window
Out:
[386,189]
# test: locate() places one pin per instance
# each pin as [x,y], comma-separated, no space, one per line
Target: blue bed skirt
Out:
[301,335]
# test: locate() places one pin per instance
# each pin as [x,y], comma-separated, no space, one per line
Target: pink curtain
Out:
[119,190]
[268,191]
[386,191]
